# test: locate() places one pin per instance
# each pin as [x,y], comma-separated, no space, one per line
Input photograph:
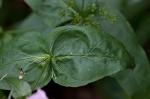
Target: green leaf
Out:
[25,53]
[49,11]
[136,83]
[61,12]
[71,56]
[115,4]
[32,22]
[123,32]
[140,77]
[18,87]
[83,55]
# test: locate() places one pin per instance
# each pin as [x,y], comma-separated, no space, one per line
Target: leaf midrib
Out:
[86,56]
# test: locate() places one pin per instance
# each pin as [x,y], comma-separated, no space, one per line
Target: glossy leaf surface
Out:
[71,56]
[122,31]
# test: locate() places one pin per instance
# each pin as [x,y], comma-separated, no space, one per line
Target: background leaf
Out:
[141,74]
[18,87]
[25,52]
[49,11]
[32,23]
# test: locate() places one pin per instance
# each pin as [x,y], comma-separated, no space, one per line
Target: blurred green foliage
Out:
[2,95]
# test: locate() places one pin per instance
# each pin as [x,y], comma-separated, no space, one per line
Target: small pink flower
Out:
[40,94]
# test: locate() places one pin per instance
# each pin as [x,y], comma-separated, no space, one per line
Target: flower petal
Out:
[40,94]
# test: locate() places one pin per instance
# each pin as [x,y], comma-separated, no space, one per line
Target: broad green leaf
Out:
[71,56]
[18,87]
[115,4]
[50,11]
[32,23]
[4,37]
[26,53]
[140,77]
[122,31]
[61,12]
[85,55]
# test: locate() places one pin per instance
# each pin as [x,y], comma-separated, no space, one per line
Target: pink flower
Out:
[40,94]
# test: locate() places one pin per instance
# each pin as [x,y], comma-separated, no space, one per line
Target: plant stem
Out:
[10,94]
[70,8]
[40,75]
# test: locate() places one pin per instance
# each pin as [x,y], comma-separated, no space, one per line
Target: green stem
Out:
[73,10]
[10,94]
[40,75]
